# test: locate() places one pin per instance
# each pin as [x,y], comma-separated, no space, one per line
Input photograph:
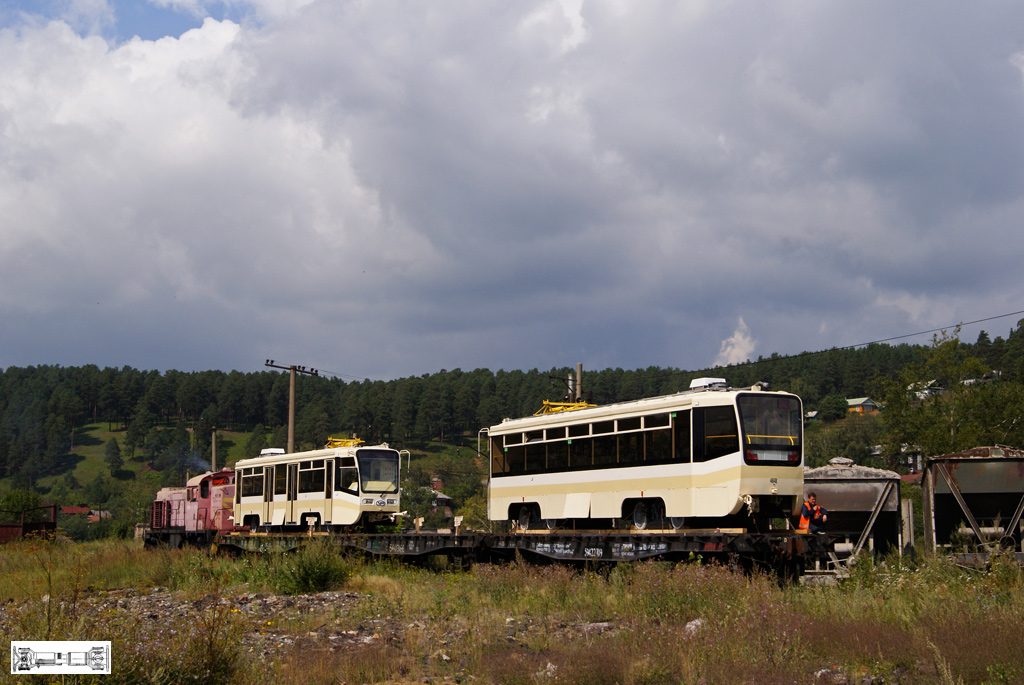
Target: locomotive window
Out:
[579,430]
[630,424]
[714,432]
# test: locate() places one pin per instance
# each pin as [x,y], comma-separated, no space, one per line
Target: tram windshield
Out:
[772,429]
[378,470]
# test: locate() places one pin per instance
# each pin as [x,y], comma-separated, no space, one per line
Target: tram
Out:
[342,486]
[712,457]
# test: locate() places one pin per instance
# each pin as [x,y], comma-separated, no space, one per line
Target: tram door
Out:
[293,489]
[268,494]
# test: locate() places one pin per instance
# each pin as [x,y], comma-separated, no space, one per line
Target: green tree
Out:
[257,442]
[112,455]
[833,408]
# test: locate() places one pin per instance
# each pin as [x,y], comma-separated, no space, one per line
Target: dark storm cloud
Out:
[389,189]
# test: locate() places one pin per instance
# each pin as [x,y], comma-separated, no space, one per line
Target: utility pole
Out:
[291,396]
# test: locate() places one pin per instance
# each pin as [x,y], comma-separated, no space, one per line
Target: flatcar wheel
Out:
[676,522]
[640,516]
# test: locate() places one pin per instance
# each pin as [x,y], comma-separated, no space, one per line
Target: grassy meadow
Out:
[391,623]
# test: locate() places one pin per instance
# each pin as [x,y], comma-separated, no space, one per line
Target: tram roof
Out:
[683,399]
[325,453]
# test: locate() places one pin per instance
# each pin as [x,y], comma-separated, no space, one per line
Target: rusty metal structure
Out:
[973,503]
[864,508]
[27,523]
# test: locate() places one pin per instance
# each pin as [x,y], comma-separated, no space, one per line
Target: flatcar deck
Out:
[780,550]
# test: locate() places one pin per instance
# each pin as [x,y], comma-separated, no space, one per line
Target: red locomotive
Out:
[195,513]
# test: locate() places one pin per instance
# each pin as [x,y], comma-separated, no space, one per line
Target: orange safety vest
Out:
[805,523]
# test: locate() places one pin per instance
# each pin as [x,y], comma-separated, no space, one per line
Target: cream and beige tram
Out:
[343,485]
[710,457]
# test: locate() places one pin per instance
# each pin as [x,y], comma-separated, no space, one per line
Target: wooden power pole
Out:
[293,370]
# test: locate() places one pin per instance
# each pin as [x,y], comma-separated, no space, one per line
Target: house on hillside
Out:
[861,405]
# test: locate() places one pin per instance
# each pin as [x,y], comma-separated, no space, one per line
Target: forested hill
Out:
[41,406]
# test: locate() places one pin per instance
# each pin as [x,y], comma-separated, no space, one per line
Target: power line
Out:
[883,340]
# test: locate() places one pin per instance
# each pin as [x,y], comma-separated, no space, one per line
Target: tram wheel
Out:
[551,524]
[525,518]
[676,522]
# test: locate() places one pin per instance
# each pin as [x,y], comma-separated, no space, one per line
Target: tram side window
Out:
[558,455]
[515,458]
[604,450]
[682,436]
[311,476]
[714,433]
[580,453]
[252,485]
[498,466]
[658,446]
[281,479]
[347,477]
[535,451]
[631,449]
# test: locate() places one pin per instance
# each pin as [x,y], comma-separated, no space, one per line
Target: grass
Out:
[641,623]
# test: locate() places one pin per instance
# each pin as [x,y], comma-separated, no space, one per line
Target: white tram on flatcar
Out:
[710,457]
[343,485]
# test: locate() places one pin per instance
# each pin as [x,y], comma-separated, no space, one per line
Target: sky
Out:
[381,189]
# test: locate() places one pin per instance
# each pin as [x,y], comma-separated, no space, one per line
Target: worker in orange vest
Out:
[812,516]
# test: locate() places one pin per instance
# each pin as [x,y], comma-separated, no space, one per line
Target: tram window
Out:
[252,486]
[658,446]
[555,433]
[714,432]
[682,436]
[535,457]
[630,424]
[311,480]
[534,436]
[280,479]
[497,456]
[515,458]
[558,455]
[347,478]
[604,427]
[656,421]
[579,430]
[604,450]
[580,453]
[513,438]
[631,449]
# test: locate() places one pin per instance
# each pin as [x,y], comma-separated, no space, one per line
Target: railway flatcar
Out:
[711,457]
[343,485]
[196,513]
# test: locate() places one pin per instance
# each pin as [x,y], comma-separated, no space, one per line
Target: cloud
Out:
[389,189]
[737,348]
